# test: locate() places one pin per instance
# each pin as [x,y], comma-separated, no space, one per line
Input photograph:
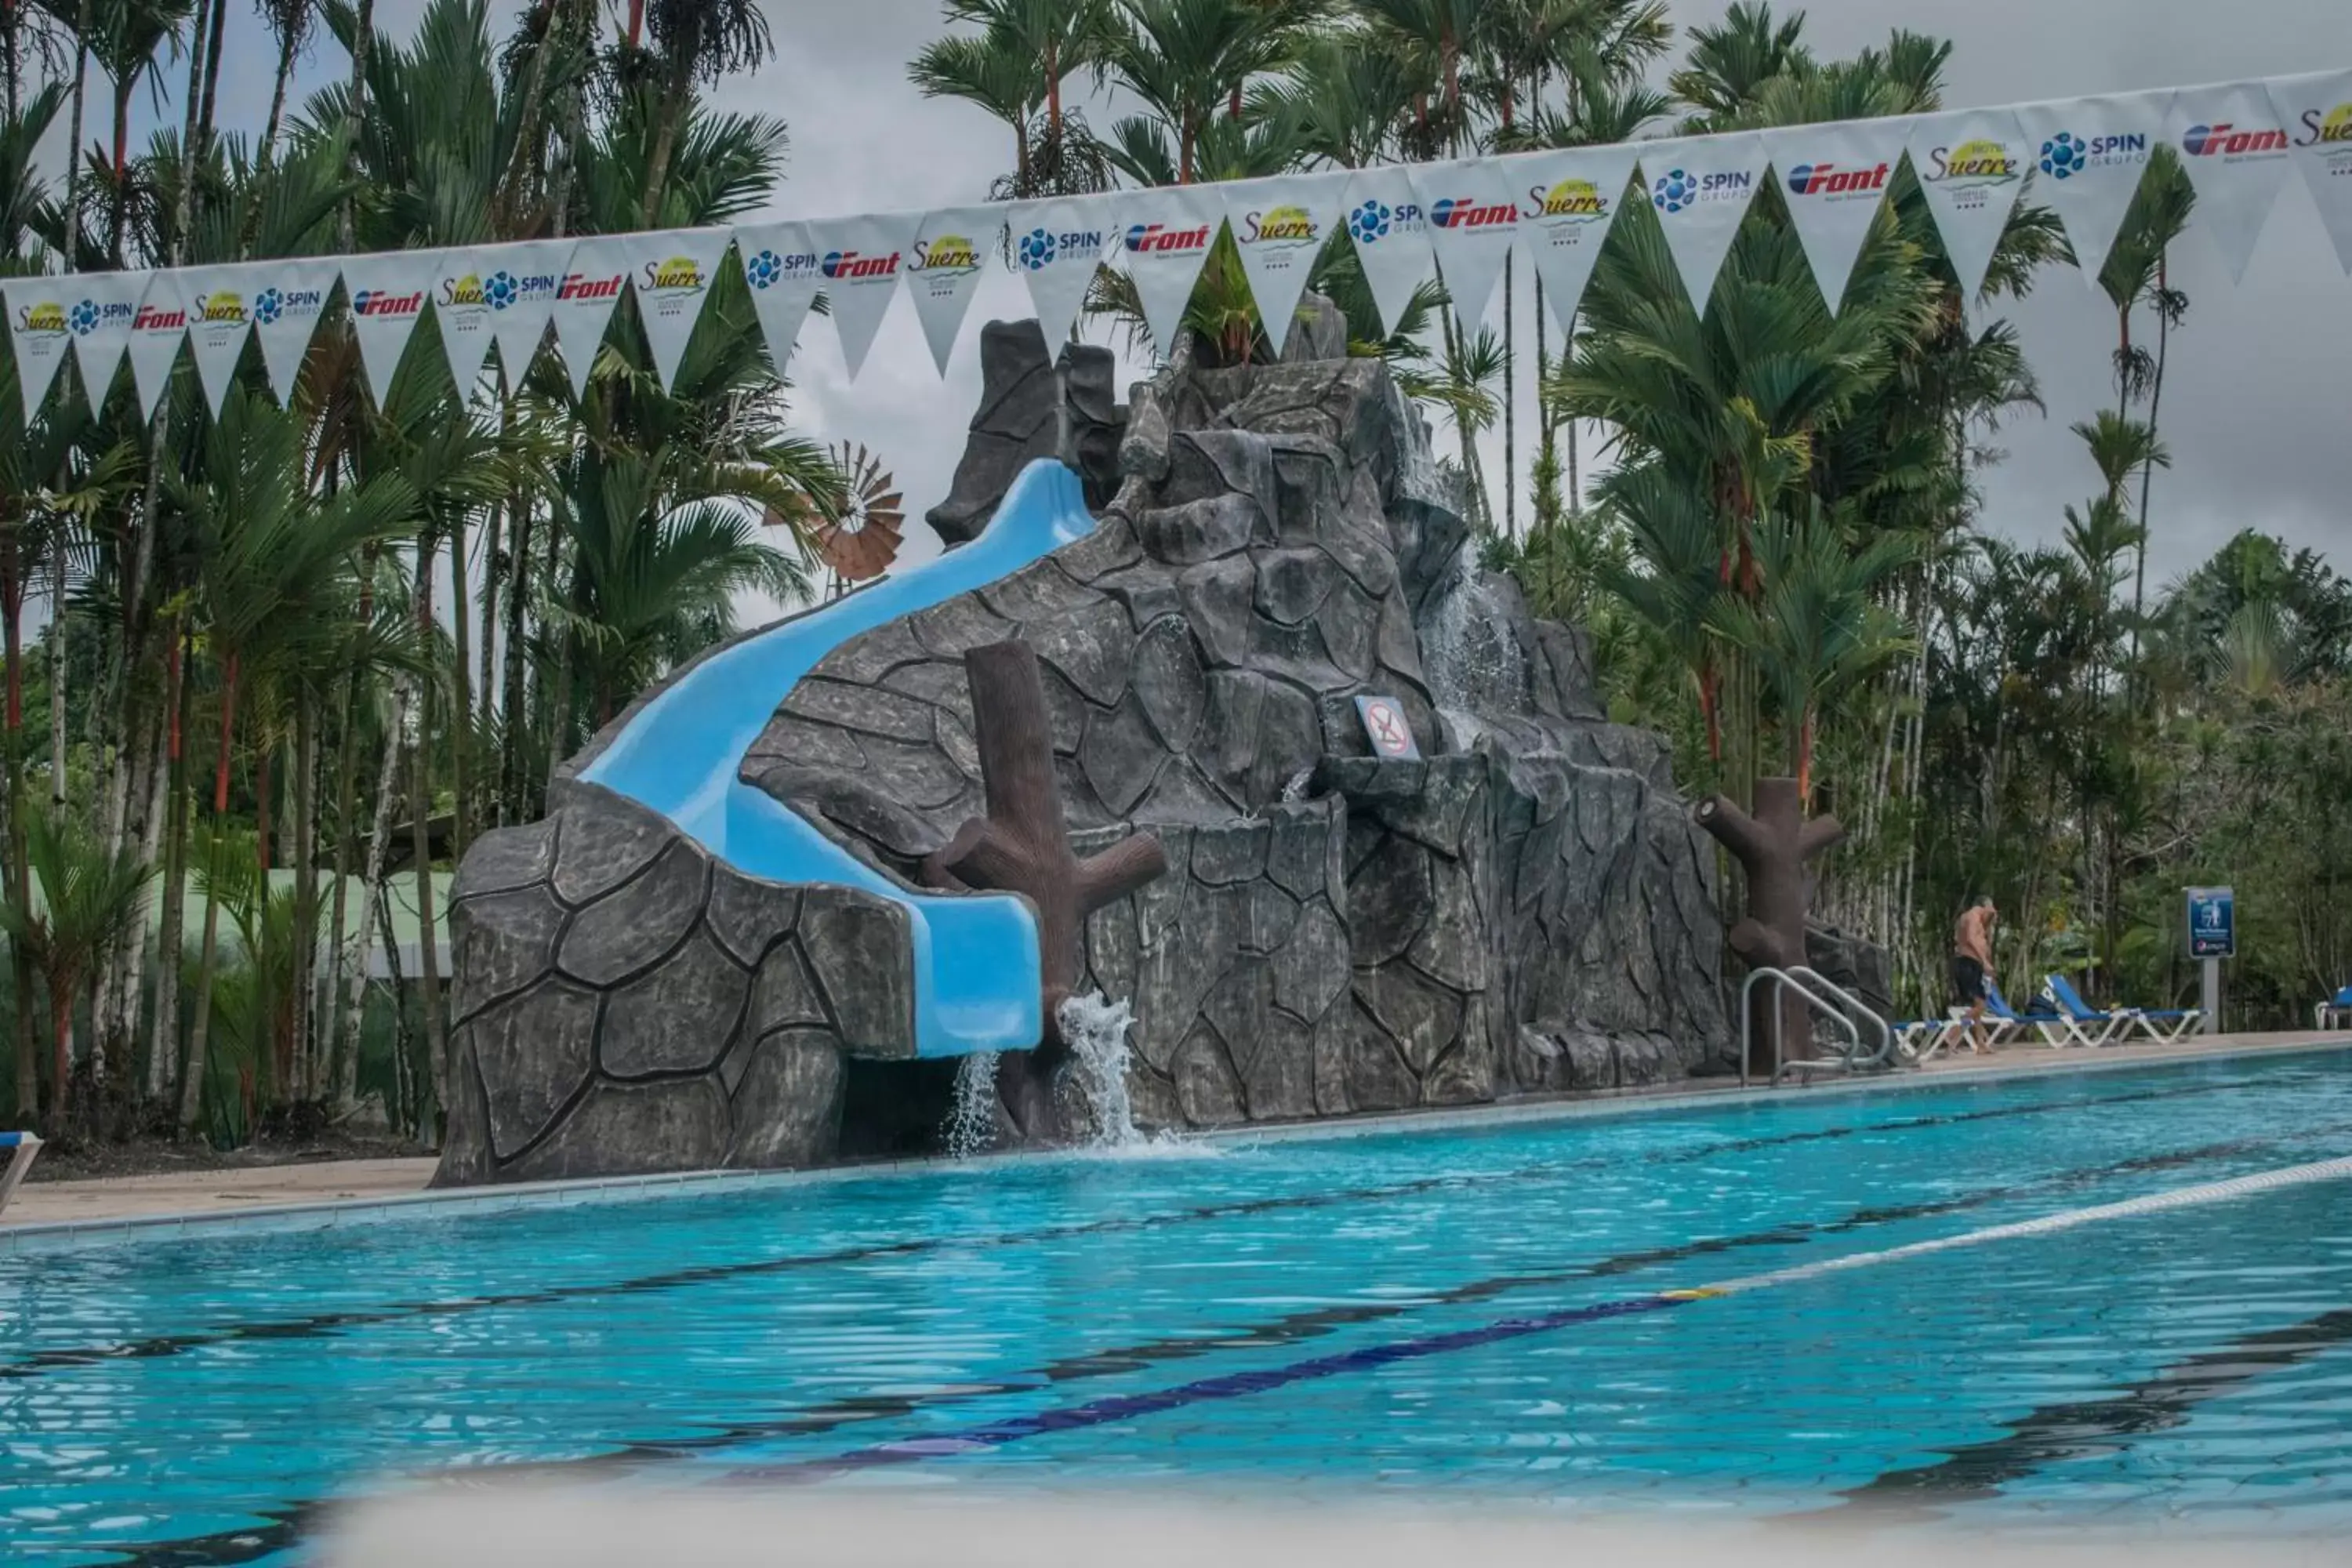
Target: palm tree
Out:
[2137,272]
[1014,67]
[695,40]
[87,898]
[1440,40]
[1186,59]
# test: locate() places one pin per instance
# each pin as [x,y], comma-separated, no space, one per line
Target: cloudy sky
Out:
[2254,411]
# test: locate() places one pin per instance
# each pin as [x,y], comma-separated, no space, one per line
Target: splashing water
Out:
[1096,1032]
[971,1123]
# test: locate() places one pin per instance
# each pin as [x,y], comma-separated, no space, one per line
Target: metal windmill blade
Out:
[864,540]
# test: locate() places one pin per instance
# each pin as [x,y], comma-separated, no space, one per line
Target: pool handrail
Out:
[1785,979]
[21,1147]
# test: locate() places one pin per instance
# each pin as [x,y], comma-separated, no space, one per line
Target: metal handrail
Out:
[1854,1005]
[1748,1017]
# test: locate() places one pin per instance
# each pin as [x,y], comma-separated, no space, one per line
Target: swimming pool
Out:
[1488,1311]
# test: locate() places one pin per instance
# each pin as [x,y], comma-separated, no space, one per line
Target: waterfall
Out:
[972,1124]
[1096,1033]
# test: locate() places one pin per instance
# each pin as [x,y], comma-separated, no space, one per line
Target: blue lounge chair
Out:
[2336,1013]
[2084,1024]
[2002,1021]
[20,1148]
[2165,1025]
[1918,1039]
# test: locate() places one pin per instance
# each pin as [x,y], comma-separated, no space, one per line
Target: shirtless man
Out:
[1973,962]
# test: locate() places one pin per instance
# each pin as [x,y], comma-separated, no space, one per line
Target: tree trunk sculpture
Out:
[1772,847]
[1022,845]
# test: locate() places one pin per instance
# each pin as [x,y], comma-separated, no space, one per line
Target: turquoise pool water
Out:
[1471,1311]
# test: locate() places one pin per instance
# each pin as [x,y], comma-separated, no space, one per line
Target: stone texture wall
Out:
[623,1002]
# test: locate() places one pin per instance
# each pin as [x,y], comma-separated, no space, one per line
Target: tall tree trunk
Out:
[270,128]
[192,1082]
[1510,401]
[673,109]
[57,648]
[461,691]
[514,699]
[2147,469]
[60,1046]
[355,113]
[387,790]
[420,811]
[118,210]
[305,804]
[73,144]
[322,1031]
[636,23]
[493,531]
[164,1036]
[20,875]
[206,122]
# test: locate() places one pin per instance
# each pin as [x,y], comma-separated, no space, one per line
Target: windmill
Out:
[859,545]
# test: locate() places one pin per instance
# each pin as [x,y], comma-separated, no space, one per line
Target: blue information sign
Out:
[2213,923]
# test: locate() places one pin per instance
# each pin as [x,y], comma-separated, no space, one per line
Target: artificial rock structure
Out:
[1527,908]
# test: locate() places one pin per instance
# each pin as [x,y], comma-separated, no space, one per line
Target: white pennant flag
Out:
[100,322]
[1569,200]
[1391,231]
[519,283]
[1279,228]
[861,259]
[387,293]
[1056,246]
[462,308]
[1473,217]
[2236,151]
[944,273]
[781,264]
[157,328]
[38,331]
[290,296]
[220,318]
[2088,156]
[1700,187]
[672,273]
[1971,166]
[1164,235]
[1833,179]
[591,286]
[2318,113]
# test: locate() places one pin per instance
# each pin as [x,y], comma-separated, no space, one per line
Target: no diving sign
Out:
[1385,726]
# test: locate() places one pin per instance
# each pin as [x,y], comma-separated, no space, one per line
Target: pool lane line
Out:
[320,1325]
[1120,1409]
[241,1546]
[2085,1428]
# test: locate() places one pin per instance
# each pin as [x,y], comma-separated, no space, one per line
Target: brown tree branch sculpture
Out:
[1023,845]
[1772,847]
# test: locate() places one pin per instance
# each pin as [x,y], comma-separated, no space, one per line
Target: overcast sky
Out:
[2254,408]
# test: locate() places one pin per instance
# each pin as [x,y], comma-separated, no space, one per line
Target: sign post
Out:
[2212,937]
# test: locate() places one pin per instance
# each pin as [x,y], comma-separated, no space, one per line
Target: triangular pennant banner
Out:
[1972,165]
[1279,226]
[861,259]
[1569,200]
[1474,216]
[1164,235]
[387,294]
[1057,245]
[591,286]
[38,332]
[781,264]
[2088,156]
[1700,187]
[99,318]
[2318,113]
[220,318]
[672,272]
[519,283]
[1833,179]
[944,273]
[1391,231]
[289,299]
[157,328]
[2236,151]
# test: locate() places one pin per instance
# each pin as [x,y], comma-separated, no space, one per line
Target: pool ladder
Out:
[1840,1006]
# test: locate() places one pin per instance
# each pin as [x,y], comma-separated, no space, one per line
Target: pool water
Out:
[1491,1311]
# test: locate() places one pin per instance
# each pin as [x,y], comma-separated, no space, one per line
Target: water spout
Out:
[971,1123]
[1096,1032]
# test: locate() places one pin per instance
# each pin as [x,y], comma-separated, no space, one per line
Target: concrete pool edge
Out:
[39,1238]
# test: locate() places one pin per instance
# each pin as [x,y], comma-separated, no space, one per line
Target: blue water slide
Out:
[977,985]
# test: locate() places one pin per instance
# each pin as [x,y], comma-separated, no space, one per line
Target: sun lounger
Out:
[2084,1024]
[2165,1025]
[20,1148]
[2336,1013]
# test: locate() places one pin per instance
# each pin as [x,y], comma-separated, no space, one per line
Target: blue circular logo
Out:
[2062,156]
[267,306]
[1036,249]
[501,290]
[83,318]
[763,269]
[1673,191]
[1367,222]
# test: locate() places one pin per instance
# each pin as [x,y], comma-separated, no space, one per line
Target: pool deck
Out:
[116,1204]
